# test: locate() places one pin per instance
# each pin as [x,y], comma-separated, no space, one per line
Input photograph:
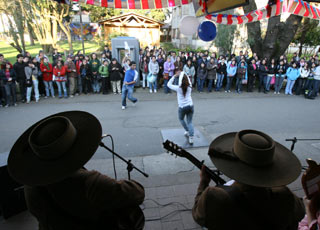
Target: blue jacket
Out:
[130,76]
[231,71]
[293,73]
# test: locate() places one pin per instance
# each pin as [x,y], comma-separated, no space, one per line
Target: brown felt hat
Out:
[252,157]
[54,147]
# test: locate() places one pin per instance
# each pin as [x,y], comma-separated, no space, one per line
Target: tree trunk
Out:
[278,36]
[47,48]
[18,19]
[66,30]
[31,35]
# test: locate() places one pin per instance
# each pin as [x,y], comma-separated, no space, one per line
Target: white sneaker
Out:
[150,90]
[123,107]
[278,92]
[275,93]
[191,140]
[155,91]
[186,133]
[134,103]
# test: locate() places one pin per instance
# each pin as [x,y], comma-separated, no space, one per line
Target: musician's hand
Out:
[204,177]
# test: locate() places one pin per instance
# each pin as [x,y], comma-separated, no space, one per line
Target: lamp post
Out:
[81,27]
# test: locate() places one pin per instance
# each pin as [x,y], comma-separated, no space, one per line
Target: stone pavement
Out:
[170,190]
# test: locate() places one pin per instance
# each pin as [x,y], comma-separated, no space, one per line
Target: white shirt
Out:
[183,101]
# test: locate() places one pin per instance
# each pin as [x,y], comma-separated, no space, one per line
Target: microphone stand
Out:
[295,140]
[130,166]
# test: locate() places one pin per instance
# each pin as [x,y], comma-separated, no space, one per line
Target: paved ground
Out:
[172,184]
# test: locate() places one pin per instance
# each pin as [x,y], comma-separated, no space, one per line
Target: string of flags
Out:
[135,4]
[296,7]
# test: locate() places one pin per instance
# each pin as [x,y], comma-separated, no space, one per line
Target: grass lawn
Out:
[10,53]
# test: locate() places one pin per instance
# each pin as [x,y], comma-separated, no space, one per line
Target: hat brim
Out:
[285,168]
[27,168]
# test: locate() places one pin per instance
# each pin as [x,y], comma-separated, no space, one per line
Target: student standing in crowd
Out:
[292,74]
[168,69]
[104,73]
[252,74]
[316,82]
[241,75]
[185,103]
[263,75]
[145,71]
[20,75]
[189,70]
[31,72]
[129,81]
[212,72]
[272,69]
[115,71]
[71,76]
[94,66]
[46,69]
[85,76]
[178,64]
[202,74]
[280,75]
[60,77]
[8,76]
[304,74]
[231,72]
[153,70]
[221,73]
[160,61]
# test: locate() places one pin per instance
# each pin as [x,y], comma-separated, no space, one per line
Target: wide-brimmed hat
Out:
[54,147]
[252,157]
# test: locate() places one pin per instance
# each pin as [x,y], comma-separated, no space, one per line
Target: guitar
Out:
[175,149]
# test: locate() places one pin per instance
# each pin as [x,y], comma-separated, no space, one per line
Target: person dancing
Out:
[185,103]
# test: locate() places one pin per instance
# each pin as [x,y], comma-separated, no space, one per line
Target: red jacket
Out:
[46,73]
[78,63]
[62,71]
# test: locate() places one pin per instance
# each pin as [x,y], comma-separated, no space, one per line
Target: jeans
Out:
[289,86]
[239,85]
[63,85]
[10,88]
[166,88]
[267,82]
[153,84]
[80,88]
[229,83]
[315,90]
[210,84]
[186,111]
[36,90]
[95,85]
[127,90]
[144,80]
[220,78]
[278,84]
[200,83]
[49,88]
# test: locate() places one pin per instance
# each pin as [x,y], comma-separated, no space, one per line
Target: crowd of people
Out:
[78,74]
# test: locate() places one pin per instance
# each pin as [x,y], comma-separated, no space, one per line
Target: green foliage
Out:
[225,36]
[308,33]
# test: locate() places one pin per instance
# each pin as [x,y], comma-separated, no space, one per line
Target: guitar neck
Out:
[213,175]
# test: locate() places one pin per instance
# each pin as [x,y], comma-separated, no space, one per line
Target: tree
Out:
[46,18]
[225,36]
[15,33]
[307,34]
[278,35]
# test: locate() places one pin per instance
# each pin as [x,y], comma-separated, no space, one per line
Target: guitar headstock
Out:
[174,148]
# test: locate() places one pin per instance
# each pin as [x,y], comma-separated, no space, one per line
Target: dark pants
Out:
[300,85]
[229,83]
[315,88]
[10,88]
[42,88]
[239,85]
[85,85]
[250,83]
[261,82]
[22,87]
[105,85]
